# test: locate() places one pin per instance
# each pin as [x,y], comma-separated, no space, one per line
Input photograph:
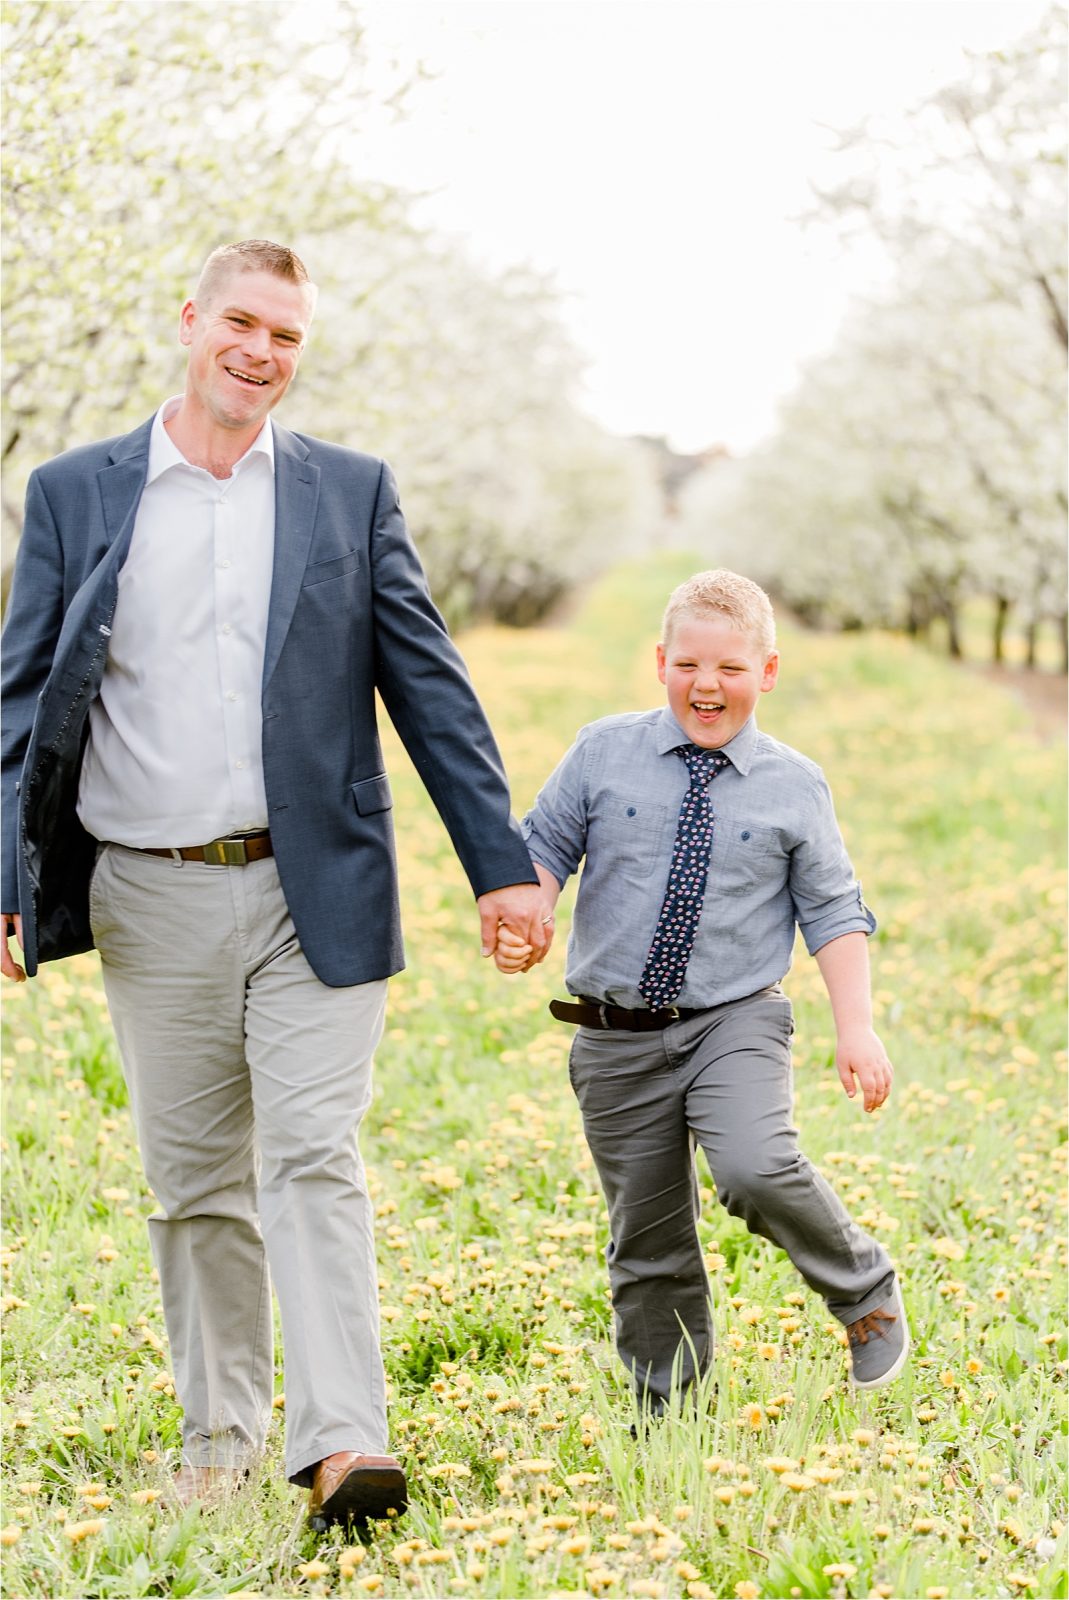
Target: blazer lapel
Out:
[296,497]
[121,483]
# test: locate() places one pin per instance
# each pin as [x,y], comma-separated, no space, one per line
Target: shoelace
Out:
[860,1330]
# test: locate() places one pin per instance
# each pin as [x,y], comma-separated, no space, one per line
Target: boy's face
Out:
[713,674]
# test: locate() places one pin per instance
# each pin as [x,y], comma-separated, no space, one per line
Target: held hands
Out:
[519,915]
[12,924]
[860,1055]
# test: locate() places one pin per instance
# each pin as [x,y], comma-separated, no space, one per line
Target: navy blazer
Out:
[350,613]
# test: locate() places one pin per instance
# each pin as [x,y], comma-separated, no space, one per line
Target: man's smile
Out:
[246,377]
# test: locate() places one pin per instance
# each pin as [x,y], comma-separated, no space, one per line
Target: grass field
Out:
[507,1403]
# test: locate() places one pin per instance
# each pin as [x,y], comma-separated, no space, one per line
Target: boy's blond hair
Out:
[719,592]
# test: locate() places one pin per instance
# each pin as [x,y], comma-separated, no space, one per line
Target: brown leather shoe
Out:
[350,1487]
[208,1485]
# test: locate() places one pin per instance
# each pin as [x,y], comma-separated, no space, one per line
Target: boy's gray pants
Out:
[721,1079]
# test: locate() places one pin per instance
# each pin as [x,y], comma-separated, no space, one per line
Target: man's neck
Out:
[205,444]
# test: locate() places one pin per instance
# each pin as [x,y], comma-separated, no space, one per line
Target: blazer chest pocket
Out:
[743,855]
[372,794]
[327,571]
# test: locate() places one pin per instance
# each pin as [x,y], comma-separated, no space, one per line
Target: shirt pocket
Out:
[744,856]
[634,836]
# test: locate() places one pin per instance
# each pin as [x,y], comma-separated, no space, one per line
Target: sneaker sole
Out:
[903,1355]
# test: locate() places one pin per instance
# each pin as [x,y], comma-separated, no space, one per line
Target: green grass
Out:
[507,1402]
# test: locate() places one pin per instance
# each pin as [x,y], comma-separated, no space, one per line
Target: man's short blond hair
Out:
[250,255]
[720,593]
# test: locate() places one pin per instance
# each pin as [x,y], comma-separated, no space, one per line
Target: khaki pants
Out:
[721,1079]
[248,1078]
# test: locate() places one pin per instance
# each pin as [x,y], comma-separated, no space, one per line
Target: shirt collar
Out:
[163,453]
[740,750]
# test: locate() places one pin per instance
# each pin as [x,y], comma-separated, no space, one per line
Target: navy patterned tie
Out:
[666,965]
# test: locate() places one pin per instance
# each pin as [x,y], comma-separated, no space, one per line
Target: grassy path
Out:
[507,1401]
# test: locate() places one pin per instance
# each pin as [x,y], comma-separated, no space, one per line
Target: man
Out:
[201,613]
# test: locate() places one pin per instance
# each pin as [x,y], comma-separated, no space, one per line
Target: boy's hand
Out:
[860,1055]
[521,906]
[512,954]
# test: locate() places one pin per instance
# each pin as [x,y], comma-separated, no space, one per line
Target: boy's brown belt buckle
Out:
[593,1014]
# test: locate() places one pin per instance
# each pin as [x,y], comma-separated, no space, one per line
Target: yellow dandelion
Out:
[781,1464]
[372,1583]
[725,1495]
[687,1571]
[881,1531]
[839,1569]
[577,1545]
[745,1590]
[1021,1580]
[11,1534]
[797,1482]
[313,1569]
[144,1497]
[863,1436]
[768,1352]
[754,1416]
[77,1531]
[937,1592]
[534,1467]
[948,1249]
[500,1536]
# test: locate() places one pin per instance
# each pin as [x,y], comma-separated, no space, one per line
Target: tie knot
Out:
[703,765]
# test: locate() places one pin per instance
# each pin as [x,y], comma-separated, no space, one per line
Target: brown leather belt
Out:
[592,1014]
[236,851]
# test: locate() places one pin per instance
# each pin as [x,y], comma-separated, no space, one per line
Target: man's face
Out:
[713,674]
[245,341]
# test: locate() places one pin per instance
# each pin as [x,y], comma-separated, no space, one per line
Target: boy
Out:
[684,1031]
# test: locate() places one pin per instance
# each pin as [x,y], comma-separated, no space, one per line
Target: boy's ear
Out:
[661,661]
[771,673]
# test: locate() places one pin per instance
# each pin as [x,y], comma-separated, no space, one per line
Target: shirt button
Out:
[231,695]
[241,765]
[631,811]
[226,628]
[746,833]
[223,565]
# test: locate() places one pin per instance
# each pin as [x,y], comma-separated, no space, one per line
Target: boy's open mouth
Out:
[246,377]
[706,708]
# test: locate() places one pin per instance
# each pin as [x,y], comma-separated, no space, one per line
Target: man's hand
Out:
[12,924]
[860,1055]
[521,907]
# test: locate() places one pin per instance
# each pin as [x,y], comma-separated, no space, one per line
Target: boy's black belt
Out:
[593,1014]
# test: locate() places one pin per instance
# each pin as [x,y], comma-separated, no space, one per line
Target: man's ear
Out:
[186,318]
[771,673]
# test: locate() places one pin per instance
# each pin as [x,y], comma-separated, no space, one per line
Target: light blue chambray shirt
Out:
[778,858]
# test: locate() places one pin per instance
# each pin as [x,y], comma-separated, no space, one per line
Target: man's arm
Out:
[844,966]
[31,629]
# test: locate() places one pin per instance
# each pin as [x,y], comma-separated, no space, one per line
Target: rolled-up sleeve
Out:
[826,894]
[555,828]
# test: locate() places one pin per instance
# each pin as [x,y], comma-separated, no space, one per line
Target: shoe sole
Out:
[366,1494]
[903,1355]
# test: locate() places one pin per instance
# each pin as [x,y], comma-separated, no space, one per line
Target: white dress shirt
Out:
[174,754]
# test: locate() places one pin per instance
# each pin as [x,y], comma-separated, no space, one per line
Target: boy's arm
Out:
[844,966]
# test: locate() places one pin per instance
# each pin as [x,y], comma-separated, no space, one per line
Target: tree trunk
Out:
[953,636]
[1031,641]
[1063,639]
[998,636]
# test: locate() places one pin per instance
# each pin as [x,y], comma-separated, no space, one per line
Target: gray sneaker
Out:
[879,1343]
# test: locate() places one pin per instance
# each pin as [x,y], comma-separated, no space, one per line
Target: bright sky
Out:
[653,157]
